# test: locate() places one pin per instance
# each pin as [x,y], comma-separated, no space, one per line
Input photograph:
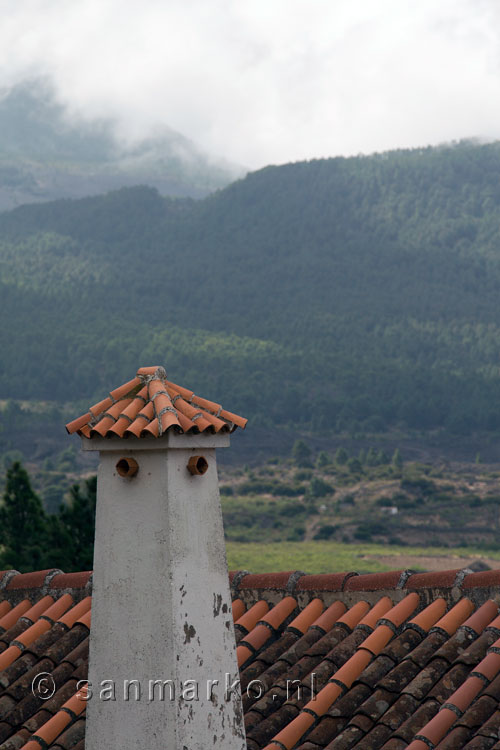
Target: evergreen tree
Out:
[382,458]
[397,460]
[341,456]
[354,466]
[320,488]
[301,454]
[322,460]
[75,527]
[23,523]
[59,546]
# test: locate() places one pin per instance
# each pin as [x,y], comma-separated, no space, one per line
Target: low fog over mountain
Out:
[46,154]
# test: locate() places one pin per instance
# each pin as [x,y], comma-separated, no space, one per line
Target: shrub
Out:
[303,474]
[325,532]
[255,487]
[341,456]
[226,489]
[384,501]
[354,466]
[291,509]
[396,541]
[288,490]
[419,485]
[408,502]
[320,488]
[297,534]
[363,535]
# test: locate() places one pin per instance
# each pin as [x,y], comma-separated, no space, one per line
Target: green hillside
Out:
[44,154]
[340,294]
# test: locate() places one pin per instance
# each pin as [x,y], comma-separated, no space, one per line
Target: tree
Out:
[23,523]
[320,488]
[322,460]
[341,456]
[354,466]
[397,460]
[75,527]
[382,458]
[301,454]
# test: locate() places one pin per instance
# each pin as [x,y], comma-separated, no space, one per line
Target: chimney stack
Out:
[162,666]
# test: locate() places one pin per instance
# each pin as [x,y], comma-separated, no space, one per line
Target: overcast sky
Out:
[268,81]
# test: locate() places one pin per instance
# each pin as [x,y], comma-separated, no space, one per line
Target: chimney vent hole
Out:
[197,465]
[127,467]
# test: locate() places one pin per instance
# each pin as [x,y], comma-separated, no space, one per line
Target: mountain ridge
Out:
[354,294]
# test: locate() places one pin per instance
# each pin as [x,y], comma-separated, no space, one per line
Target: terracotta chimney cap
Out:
[149,404]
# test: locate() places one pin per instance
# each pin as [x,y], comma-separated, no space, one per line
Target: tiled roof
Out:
[389,660]
[151,405]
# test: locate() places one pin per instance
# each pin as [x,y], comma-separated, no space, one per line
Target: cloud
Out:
[267,81]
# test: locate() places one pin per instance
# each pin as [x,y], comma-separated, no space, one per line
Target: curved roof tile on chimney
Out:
[149,404]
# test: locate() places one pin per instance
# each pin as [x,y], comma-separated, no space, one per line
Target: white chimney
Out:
[162,651]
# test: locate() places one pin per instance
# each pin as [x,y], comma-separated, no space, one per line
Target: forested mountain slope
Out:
[333,294]
[45,155]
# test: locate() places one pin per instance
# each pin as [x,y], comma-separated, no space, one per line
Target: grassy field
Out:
[331,557]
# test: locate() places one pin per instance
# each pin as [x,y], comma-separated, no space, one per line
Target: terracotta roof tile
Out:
[31,580]
[438,579]
[264,630]
[75,613]
[249,619]
[430,615]
[238,608]
[357,613]
[123,390]
[101,406]
[482,617]
[456,616]
[71,580]
[149,404]
[374,581]
[330,616]
[109,418]
[383,605]
[265,580]
[9,619]
[483,579]
[309,615]
[386,674]
[324,582]
[34,612]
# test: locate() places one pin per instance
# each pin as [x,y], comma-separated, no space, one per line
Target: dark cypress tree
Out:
[75,527]
[23,523]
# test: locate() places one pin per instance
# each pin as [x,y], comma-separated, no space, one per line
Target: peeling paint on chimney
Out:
[161,603]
